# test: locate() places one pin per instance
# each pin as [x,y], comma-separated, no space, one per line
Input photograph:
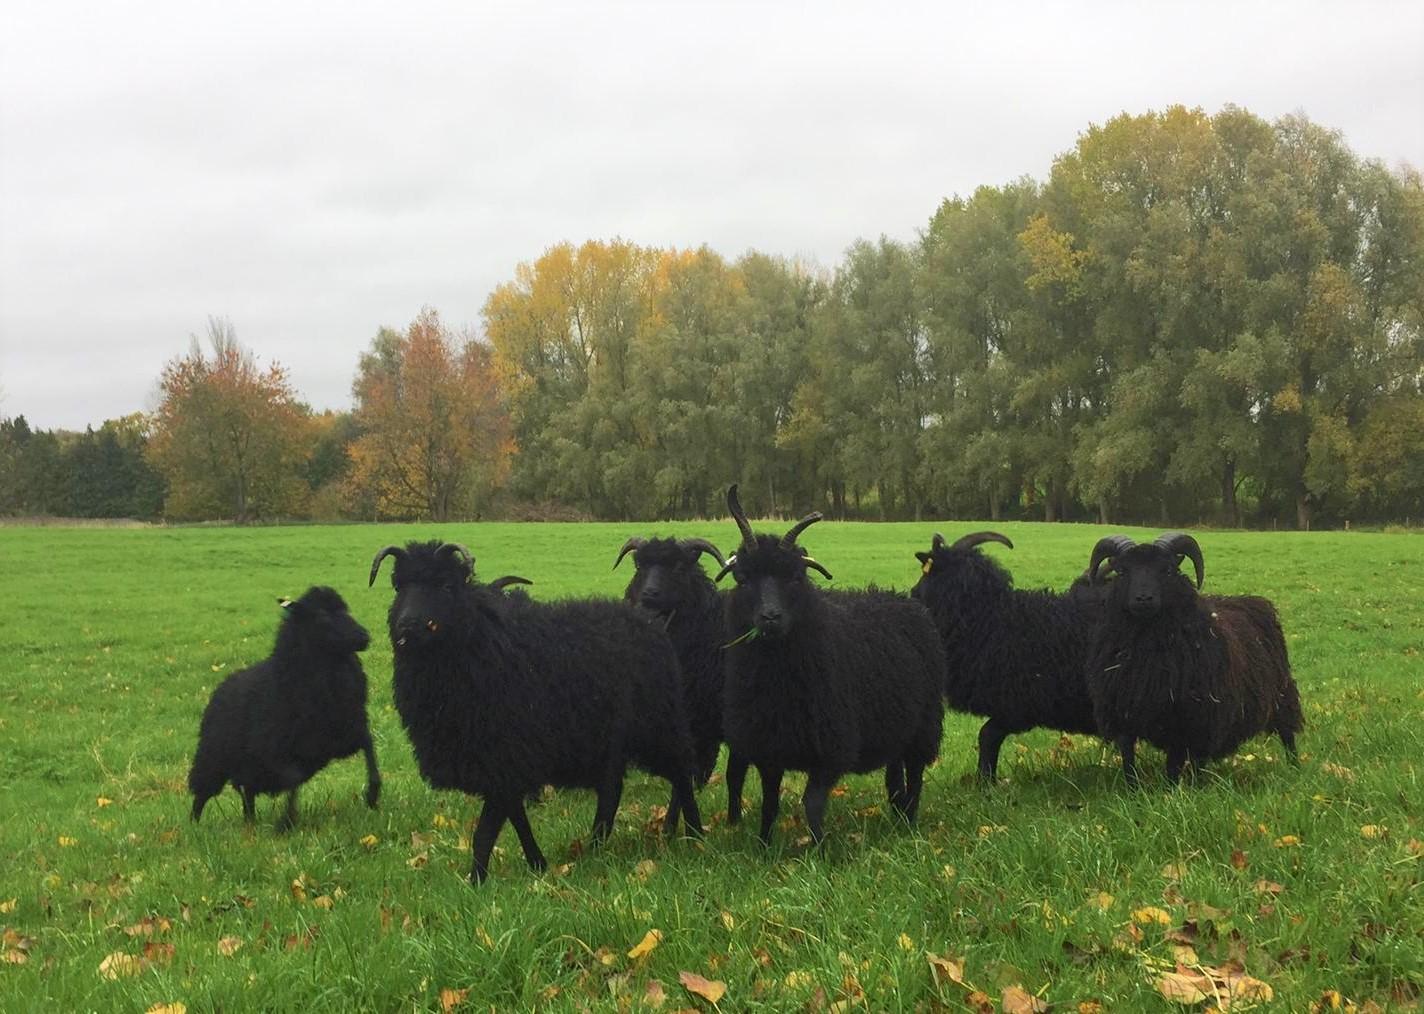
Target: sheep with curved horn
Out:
[1015,657]
[825,684]
[669,582]
[1195,675]
[502,695]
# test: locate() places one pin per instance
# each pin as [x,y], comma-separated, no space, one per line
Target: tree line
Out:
[1194,318]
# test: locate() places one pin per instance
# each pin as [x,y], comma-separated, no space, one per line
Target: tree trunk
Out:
[1302,512]
[1051,510]
[1228,494]
[993,504]
[1103,513]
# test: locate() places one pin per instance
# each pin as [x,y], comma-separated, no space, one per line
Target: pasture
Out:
[1059,880]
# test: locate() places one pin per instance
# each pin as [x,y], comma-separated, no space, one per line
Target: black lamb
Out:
[1194,675]
[1017,658]
[826,685]
[502,695]
[669,582]
[271,727]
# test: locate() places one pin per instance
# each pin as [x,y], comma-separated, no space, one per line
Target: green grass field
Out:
[1058,880]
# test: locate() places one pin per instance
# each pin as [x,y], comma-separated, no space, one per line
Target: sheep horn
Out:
[734,505]
[1183,545]
[632,545]
[1108,547]
[976,538]
[726,568]
[501,583]
[1121,543]
[789,539]
[813,565]
[395,551]
[703,546]
[937,542]
[446,548]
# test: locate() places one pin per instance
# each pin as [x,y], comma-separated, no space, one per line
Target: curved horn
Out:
[1108,547]
[703,546]
[1120,543]
[447,548]
[977,538]
[632,545]
[395,551]
[1183,545]
[726,568]
[501,583]
[734,506]
[813,565]
[789,539]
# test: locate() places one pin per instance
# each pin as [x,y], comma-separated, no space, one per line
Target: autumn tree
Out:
[229,438]
[434,434]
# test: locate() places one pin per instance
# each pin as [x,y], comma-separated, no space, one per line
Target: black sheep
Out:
[271,727]
[822,684]
[669,582]
[1016,658]
[502,695]
[1194,675]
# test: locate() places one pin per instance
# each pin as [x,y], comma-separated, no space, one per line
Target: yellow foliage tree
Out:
[435,437]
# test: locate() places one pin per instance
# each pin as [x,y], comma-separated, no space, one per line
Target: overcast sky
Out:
[314,171]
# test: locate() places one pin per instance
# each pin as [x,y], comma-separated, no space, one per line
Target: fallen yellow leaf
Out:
[1286,841]
[370,841]
[102,801]
[1104,900]
[228,946]
[1017,1000]
[644,869]
[947,968]
[728,921]
[906,944]
[710,990]
[120,965]
[647,945]
[1185,988]
[452,998]
[1150,915]
[654,995]
[168,1008]
[66,842]
[1373,831]
[8,905]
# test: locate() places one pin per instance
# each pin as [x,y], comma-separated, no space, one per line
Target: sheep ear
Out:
[924,558]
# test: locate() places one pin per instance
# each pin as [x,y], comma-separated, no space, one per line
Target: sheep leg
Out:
[686,799]
[1128,746]
[1287,741]
[1176,760]
[532,855]
[288,820]
[200,801]
[895,784]
[736,778]
[674,810]
[609,793]
[487,828]
[818,791]
[770,800]
[914,782]
[249,804]
[991,737]
[373,777]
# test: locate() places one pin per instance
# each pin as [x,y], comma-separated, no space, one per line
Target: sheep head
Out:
[433,583]
[321,620]
[772,589]
[1149,578]
[959,568]
[668,575]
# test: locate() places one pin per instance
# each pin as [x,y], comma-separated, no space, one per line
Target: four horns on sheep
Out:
[1182,545]
[446,549]
[788,541]
[701,545]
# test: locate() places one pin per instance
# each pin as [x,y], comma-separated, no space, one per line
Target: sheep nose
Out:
[769,617]
[650,600]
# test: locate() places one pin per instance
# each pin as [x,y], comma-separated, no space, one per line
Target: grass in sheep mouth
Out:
[1057,880]
[750,635]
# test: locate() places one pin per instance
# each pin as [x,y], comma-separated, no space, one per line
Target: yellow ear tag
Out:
[926,568]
